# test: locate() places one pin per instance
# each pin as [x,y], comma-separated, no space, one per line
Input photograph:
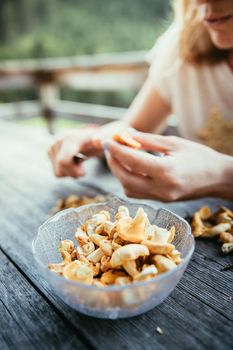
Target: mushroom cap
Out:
[198,224]
[57,268]
[227,248]
[95,256]
[159,248]
[110,276]
[163,264]
[106,247]
[78,271]
[160,235]
[130,266]
[205,213]
[146,273]
[133,230]
[66,257]
[97,220]
[226,237]
[122,212]
[128,252]
[66,245]
[86,249]
[126,139]
[174,256]
[81,236]
[96,238]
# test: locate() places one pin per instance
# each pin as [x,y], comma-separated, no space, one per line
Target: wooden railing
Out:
[108,72]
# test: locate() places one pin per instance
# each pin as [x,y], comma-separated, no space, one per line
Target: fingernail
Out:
[132,131]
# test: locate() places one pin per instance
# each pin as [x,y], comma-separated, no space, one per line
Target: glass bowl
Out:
[114,301]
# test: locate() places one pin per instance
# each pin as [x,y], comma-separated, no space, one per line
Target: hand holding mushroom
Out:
[186,169]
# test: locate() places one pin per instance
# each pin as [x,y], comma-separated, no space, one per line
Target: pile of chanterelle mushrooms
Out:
[117,252]
[75,201]
[206,224]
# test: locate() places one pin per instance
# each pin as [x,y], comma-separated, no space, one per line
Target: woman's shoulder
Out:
[165,60]
[164,56]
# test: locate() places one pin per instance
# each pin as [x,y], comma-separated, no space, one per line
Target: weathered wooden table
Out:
[197,315]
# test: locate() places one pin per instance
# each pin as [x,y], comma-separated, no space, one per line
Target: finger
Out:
[131,182]
[157,143]
[71,172]
[63,167]
[138,161]
[75,171]
[58,171]
[52,151]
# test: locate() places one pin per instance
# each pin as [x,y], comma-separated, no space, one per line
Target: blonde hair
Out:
[195,44]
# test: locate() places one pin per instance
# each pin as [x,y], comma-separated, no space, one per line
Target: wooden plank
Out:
[95,80]
[109,72]
[110,80]
[84,62]
[83,112]
[20,110]
[16,82]
[191,317]
[27,320]
[180,325]
[7,323]
[89,113]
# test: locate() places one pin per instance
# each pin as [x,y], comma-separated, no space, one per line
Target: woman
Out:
[191,72]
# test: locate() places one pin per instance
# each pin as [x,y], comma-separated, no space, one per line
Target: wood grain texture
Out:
[27,321]
[198,313]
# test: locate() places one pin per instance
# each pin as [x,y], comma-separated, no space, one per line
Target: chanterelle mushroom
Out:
[133,230]
[96,220]
[109,228]
[224,215]
[160,235]
[158,248]
[110,276]
[59,268]
[215,230]
[128,252]
[227,248]
[95,238]
[81,236]
[122,212]
[131,267]
[106,247]
[95,256]
[163,264]
[78,271]
[198,225]
[86,249]
[66,245]
[174,256]
[146,273]
[226,237]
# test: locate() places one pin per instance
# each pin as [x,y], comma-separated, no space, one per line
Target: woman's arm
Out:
[149,110]
[146,113]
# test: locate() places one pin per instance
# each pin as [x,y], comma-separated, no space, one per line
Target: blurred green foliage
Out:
[52,28]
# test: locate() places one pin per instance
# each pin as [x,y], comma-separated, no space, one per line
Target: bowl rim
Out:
[113,288]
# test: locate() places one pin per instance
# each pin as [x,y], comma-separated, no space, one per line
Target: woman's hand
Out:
[63,150]
[186,169]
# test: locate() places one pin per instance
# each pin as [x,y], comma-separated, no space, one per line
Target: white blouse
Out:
[192,91]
